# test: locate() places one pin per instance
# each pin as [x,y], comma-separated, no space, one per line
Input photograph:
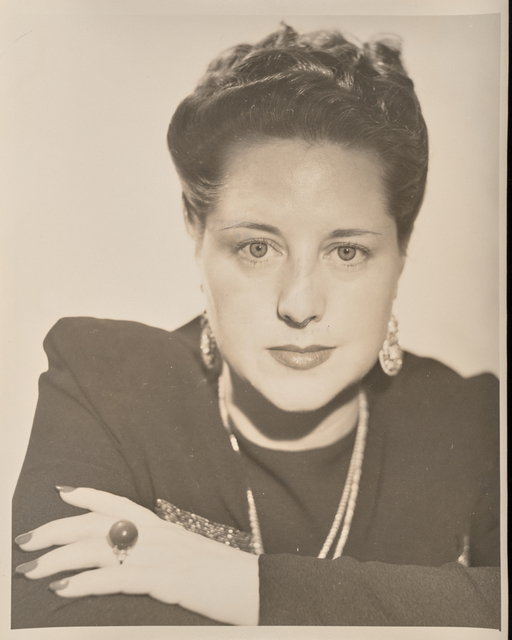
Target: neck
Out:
[263,423]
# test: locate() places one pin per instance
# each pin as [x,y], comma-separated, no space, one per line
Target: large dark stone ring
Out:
[122,537]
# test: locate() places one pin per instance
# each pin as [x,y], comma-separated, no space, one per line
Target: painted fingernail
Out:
[26,567]
[23,538]
[64,489]
[58,584]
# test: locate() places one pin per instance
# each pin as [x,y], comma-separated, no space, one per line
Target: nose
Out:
[301,299]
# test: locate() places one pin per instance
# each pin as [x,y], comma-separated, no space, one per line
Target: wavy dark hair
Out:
[317,87]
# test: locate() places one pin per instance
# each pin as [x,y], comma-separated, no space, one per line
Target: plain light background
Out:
[91,205]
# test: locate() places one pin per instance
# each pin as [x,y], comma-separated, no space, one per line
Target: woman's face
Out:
[300,265]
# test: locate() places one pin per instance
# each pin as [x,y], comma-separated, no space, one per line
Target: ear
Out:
[192,224]
[402,264]
[400,271]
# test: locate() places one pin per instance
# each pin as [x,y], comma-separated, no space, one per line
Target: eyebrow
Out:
[337,233]
[254,225]
[347,233]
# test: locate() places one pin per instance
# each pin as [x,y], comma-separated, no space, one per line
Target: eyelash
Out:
[247,243]
[346,264]
[351,245]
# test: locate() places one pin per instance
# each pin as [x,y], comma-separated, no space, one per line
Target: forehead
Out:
[291,179]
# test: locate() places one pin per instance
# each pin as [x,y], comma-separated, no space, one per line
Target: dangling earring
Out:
[208,346]
[390,356]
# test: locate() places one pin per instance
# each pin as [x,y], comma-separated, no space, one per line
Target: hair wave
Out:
[317,87]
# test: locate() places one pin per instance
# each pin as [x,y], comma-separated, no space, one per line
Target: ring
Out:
[122,537]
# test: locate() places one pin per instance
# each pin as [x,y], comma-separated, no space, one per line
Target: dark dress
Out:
[129,409]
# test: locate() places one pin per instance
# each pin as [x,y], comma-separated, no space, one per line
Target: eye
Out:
[258,249]
[347,253]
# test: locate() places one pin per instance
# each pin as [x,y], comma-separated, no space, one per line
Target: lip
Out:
[301,358]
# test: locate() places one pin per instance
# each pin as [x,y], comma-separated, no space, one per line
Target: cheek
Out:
[239,290]
[363,308]
[375,299]
[238,307]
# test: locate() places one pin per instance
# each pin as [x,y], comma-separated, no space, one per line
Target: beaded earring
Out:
[208,346]
[390,356]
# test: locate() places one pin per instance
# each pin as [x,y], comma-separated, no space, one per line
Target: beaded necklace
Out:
[345,511]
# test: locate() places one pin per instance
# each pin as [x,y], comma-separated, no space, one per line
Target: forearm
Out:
[225,586]
[197,579]
[307,591]
[35,605]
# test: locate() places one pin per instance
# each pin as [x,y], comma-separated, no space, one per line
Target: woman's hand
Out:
[167,562]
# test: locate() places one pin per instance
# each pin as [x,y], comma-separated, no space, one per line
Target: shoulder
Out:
[432,406]
[96,331]
[439,385]
[120,347]
[426,380]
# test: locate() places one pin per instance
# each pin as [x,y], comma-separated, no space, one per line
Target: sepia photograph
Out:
[253,335]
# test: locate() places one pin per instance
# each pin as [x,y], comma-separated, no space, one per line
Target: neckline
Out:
[348,500]
[327,433]
[345,442]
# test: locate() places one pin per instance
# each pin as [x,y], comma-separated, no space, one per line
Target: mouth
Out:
[301,358]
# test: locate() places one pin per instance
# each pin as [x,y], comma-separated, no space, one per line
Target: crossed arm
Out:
[167,563]
[176,567]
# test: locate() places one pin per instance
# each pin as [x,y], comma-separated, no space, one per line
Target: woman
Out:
[279,460]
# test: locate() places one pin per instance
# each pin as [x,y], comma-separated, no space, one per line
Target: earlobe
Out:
[191,222]
[396,287]
[198,245]
[395,294]
[194,231]
[190,225]
[400,271]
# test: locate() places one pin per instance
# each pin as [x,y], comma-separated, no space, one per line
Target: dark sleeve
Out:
[73,444]
[308,591]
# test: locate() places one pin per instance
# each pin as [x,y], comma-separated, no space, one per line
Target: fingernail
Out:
[58,584]
[23,538]
[26,567]
[64,489]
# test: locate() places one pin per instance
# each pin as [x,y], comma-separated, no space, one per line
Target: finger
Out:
[79,555]
[66,531]
[109,504]
[115,579]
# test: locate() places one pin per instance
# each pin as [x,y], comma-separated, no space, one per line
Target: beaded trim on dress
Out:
[204,527]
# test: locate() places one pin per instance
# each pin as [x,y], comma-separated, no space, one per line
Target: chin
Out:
[303,391]
[299,397]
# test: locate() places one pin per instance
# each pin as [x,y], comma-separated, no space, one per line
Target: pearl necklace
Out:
[345,511]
